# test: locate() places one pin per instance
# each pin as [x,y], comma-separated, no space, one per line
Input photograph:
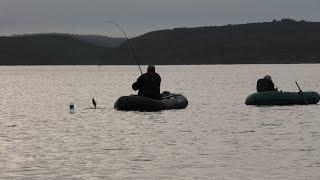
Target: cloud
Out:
[141,16]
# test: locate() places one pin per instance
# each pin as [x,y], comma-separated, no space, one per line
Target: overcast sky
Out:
[141,16]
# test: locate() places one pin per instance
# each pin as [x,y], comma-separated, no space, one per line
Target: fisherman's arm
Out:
[137,84]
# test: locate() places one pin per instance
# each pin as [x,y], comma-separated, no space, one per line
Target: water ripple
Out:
[217,136]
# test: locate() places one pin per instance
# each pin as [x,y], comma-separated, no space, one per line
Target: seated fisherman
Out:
[265,84]
[148,83]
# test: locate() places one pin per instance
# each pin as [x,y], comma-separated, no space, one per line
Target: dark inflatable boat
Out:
[140,103]
[282,98]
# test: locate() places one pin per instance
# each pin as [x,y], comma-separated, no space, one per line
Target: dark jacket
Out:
[265,85]
[148,85]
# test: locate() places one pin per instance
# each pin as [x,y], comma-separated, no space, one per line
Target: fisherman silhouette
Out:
[265,84]
[94,103]
[148,83]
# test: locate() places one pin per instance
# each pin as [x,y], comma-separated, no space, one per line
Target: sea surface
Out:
[216,137]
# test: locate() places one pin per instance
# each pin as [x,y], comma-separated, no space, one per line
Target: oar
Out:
[300,92]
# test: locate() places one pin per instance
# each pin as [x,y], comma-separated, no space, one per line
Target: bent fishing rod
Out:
[129,43]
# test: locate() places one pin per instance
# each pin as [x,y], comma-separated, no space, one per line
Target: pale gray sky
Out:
[141,16]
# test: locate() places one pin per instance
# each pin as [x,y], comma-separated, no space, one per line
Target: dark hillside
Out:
[285,41]
[48,50]
[98,40]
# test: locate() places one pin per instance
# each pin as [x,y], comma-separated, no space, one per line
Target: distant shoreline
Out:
[155,65]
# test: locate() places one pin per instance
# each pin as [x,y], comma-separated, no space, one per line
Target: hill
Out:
[284,41]
[99,40]
[49,49]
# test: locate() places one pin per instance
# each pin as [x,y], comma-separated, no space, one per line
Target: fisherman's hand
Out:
[135,86]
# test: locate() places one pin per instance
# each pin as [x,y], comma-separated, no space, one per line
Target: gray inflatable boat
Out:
[140,103]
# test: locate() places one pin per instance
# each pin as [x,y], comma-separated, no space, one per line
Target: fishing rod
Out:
[129,42]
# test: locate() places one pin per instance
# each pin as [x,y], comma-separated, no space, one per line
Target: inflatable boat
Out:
[140,103]
[282,98]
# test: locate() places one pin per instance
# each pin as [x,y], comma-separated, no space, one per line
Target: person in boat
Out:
[148,83]
[265,84]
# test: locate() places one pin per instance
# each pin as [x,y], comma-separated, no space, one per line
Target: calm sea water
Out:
[215,137]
